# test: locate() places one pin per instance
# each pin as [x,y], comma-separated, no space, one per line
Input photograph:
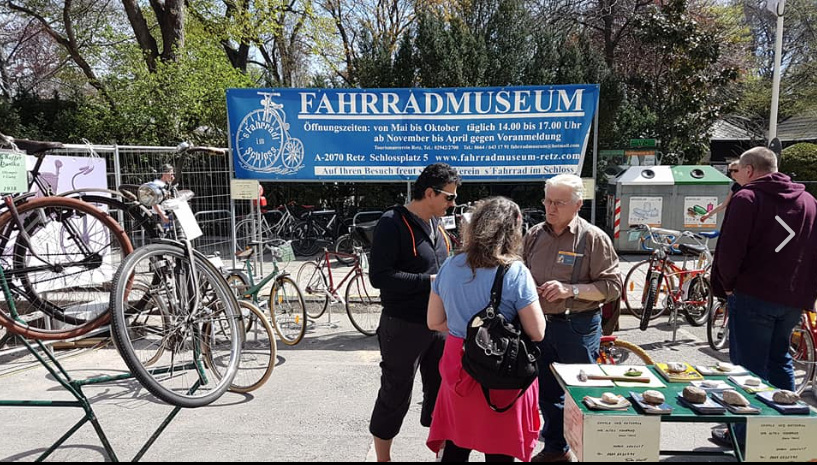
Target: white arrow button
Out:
[791,234]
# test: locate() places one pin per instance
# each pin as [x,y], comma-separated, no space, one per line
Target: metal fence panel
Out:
[206,175]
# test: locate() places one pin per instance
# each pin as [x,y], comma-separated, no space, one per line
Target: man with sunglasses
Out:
[408,248]
[734,173]
[576,270]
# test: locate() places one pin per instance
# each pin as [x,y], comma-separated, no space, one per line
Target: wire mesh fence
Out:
[208,176]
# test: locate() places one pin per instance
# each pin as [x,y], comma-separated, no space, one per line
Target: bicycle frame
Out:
[354,271]
[255,289]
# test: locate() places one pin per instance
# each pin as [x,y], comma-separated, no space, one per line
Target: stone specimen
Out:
[653,397]
[675,367]
[732,397]
[694,395]
[785,397]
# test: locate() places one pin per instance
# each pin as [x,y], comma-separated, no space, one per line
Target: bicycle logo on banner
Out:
[263,143]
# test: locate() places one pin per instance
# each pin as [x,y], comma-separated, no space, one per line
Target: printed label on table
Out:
[781,439]
[621,438]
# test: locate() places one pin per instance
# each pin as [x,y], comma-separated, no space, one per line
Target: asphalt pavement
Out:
[315,407]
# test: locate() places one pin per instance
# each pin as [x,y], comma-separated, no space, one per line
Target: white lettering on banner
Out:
[373,171]
[503,104]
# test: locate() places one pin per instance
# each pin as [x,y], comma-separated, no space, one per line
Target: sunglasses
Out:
[448,195]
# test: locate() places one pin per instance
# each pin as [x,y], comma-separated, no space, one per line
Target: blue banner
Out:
[488,134]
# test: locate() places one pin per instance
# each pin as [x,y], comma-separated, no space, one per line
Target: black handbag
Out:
[497,353]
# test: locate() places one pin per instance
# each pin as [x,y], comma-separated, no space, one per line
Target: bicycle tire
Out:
[363,305]
[801,350]
[287,310]
[717,329]
[635,289]
[135,219]
[652,292]
[305,240]
[204,332]
[315,289]
[81,326]
[258,351]
[239,283]
[347,244]
[625,348]
[699,290]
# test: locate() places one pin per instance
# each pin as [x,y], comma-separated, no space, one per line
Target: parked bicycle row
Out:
[69,269]
[310,229]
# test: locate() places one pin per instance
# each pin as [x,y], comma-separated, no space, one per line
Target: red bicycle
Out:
[658,285]
[362,301]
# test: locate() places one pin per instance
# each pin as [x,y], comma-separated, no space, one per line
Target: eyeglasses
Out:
[448,195]
[556,203]
[733,170]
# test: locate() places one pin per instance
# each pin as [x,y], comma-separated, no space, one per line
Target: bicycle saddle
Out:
[33,147]
[690,249]
[245,254]
[709,234]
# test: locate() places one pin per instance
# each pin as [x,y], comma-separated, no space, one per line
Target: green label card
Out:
[13,177]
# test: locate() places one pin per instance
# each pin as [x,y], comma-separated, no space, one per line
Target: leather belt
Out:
[571,315]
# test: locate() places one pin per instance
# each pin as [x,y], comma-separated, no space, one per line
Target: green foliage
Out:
[800,162]
[182,100]
[681,89]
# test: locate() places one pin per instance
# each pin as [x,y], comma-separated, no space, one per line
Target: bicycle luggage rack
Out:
[74,387]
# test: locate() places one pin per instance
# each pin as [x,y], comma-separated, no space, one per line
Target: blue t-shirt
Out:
[464,295]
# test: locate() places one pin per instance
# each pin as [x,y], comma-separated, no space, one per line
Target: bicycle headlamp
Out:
[150,194]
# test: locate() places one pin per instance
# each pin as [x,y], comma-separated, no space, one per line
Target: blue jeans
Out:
[759,333]
[576,340]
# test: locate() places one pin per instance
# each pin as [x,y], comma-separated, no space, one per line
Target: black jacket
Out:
[402,261]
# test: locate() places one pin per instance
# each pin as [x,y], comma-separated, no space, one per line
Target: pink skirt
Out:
[462,415]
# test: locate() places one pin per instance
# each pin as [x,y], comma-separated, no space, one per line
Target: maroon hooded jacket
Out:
[745,258]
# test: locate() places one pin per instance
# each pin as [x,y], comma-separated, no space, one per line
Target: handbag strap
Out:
[496,290]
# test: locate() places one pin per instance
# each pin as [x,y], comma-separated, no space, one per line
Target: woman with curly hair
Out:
[462,419]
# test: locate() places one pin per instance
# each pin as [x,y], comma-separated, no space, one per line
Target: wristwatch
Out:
[575,292]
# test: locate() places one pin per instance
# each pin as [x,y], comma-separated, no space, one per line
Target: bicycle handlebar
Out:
[673,237]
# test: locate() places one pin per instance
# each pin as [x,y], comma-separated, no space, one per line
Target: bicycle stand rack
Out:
[74,387]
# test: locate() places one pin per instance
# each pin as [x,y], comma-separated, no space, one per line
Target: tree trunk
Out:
[170,14]
[146,42]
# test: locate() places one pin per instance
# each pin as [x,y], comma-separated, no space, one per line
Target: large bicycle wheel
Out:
[618,352]
[67,279]
[305,240]
[635,291]
[204,323]
[258,351]
[717,329]
[141,226]
[801,350]
[315,285]
[699,301]
[347,244]
[287,309]
[363,305]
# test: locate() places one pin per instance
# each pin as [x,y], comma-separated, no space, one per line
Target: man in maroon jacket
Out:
[767,283]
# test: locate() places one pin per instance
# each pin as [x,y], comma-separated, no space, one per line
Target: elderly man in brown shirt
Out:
[576,271]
